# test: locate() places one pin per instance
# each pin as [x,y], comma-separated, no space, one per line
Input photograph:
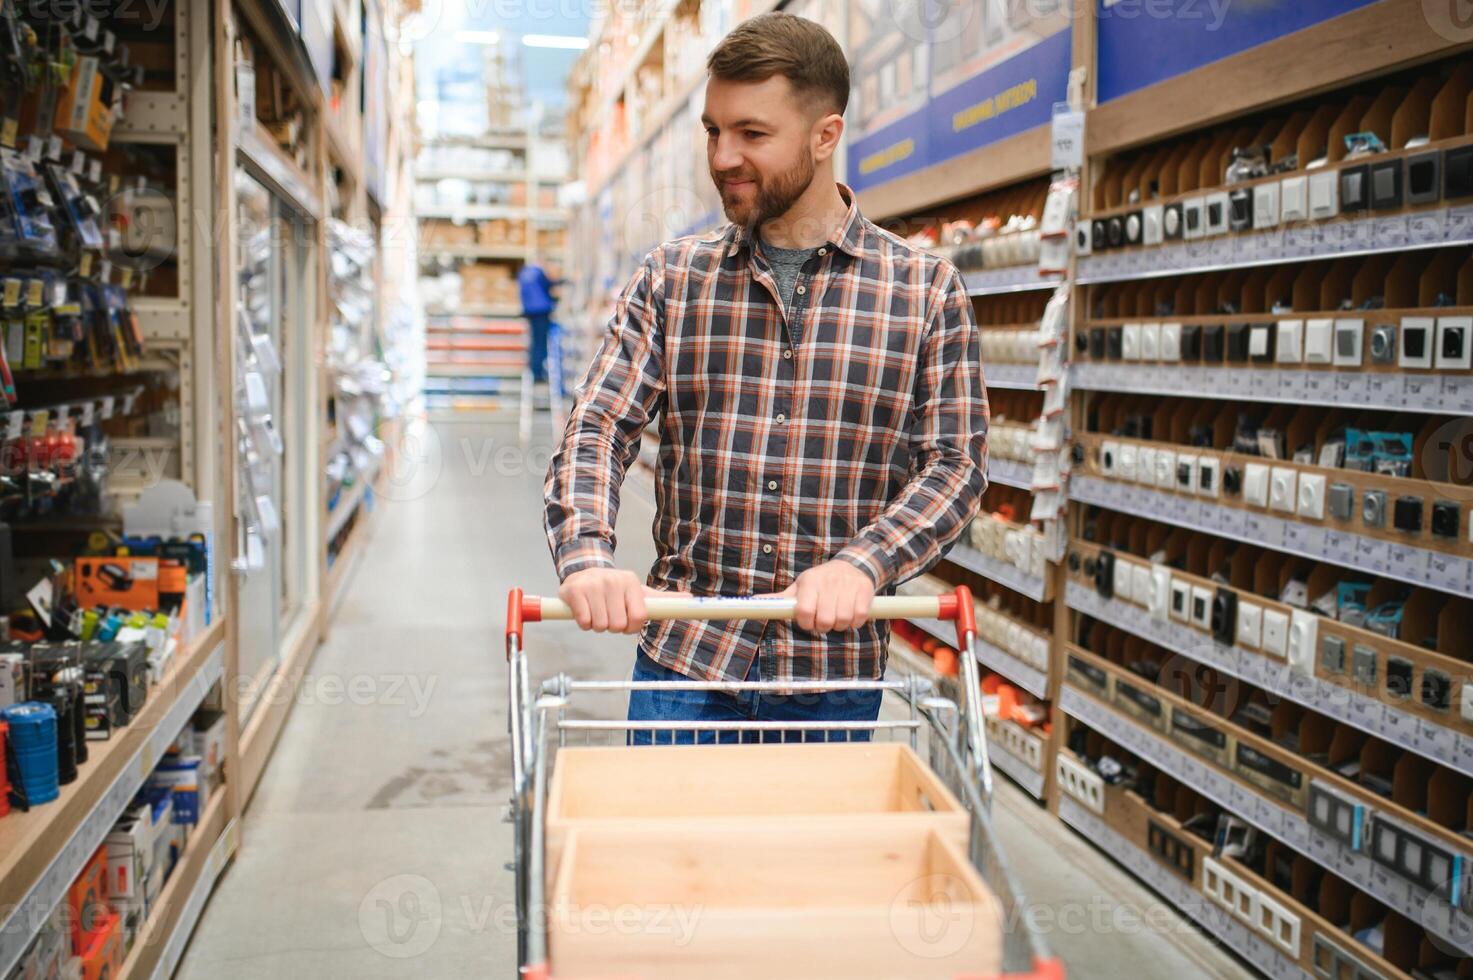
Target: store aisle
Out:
[374,846]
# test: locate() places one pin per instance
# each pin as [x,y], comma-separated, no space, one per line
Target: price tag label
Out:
[106,406]
[1296,537]
[1300,242]
[1425,227]
[1246,248]
[1068,138]
[8,130]
[1407,563]
[1350,386]
[1422,392]
[1359,235]
[10,292]
[1458,225]
[1465,753]
[87,411]
[1384,390]
[1457,393]
[1391,232]
[86,269]
[1437,740]
[1447,572]
[35,292]
[53,148]
[1263,384]
[1373,553]
[1396,725]
[14,425]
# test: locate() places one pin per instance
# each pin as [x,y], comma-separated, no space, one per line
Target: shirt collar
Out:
[849,240]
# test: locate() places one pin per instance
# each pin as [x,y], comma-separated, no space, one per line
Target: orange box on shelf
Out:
[103,956]
[86,902]
[84,110]
[130,581]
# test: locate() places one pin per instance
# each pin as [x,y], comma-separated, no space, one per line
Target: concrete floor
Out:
[374,845]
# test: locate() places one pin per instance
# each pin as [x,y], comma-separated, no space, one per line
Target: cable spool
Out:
[31,753]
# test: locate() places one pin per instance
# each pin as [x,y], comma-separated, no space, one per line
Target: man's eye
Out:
[752,134]
[711,131]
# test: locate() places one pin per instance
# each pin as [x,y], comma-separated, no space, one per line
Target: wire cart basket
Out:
[948,735]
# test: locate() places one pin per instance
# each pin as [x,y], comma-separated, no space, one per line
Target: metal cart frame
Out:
[955,742]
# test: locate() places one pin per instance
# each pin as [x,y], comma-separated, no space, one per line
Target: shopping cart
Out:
[949,735]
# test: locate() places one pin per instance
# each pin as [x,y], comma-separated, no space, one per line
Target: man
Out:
[536,289]
[822,415]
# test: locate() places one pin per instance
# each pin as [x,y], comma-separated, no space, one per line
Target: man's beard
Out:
[775,195]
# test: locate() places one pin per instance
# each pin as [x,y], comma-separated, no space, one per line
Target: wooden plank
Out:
[996,165]
[270,715]
[1356,45]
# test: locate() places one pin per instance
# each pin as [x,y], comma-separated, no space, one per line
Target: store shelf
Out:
[1026,676]
[1010,473]
[1003,573]
[260,152]
[475,251]
[474,176]
[474,310]
[487,212]
[160,944]
[1435,742]
[43,850]
[1433,228]
[1452,926]
[1021,377]
[1031,780]
[348,502]
[434,370]
[1016,279]
[1222,926]
[1417,566]
[1438,394]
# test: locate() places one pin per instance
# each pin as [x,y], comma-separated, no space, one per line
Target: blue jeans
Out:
[538,324]
[684,705]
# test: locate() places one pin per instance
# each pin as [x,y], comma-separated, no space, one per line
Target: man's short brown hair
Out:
[794,47]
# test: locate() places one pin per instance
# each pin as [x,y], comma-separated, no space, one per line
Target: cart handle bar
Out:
[956,605]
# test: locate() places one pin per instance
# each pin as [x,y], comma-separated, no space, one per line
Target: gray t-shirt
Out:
[787,265]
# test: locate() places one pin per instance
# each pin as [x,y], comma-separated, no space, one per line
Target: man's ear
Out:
[827,131]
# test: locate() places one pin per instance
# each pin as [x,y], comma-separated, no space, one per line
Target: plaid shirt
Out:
[851,426]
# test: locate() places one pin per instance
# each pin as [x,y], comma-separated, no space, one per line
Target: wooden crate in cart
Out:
[860,860]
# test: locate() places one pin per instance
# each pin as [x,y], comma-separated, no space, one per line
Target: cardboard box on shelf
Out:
[492,232]
[447,233]
[130,581]
[86,901]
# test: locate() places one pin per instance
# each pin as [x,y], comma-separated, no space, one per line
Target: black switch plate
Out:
[1457,172]
[1237,341]
[1225,615]
[1437,689]
[1212,343]
[1114,343]
[1407,515]
[1097,232]
[1191,343]
[1354,188]
[1240,209]
[1171,222]
[1115,230]
[1424,178]
[1105,575]
[1386,185]
[1097,343]
[1446,516]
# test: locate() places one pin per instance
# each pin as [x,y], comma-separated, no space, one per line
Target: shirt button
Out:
[772,484]
[802,290]
[823,251]
[781,418]
[787,355]
[767,549]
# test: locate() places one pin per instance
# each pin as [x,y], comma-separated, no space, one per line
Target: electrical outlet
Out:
[1125,466]
[1083,237]
[1165,469]
[1275,633]
[1303,639]
[1216,209]
[1255,484]
[1324,195]
[1170,342]
[1319,341]
[1130,342]
[1109,457]
[1186,473]
[1201,607]
[1141,586]
[1181,600]
[1312,496]
[1224,615]
[1289,346]
[1209,476]
[1266,205]
[1160,598]
[1424,178]
[1193,223]
[1250,625]
[1150,341]
[1417,335]
[1123,580]
[1342,501]
[1349,338]
[1151,222]
[1294,198]
[1172,225]
[1454,343]
[1281,489]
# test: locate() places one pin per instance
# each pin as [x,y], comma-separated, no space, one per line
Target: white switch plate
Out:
[1281,492]
[1319,341]
[1275,633]
[1294,198]
[1312,496]
[1255,484]
[1288,349]
[1250,625]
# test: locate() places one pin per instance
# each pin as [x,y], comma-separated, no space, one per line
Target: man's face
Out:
[758,147]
